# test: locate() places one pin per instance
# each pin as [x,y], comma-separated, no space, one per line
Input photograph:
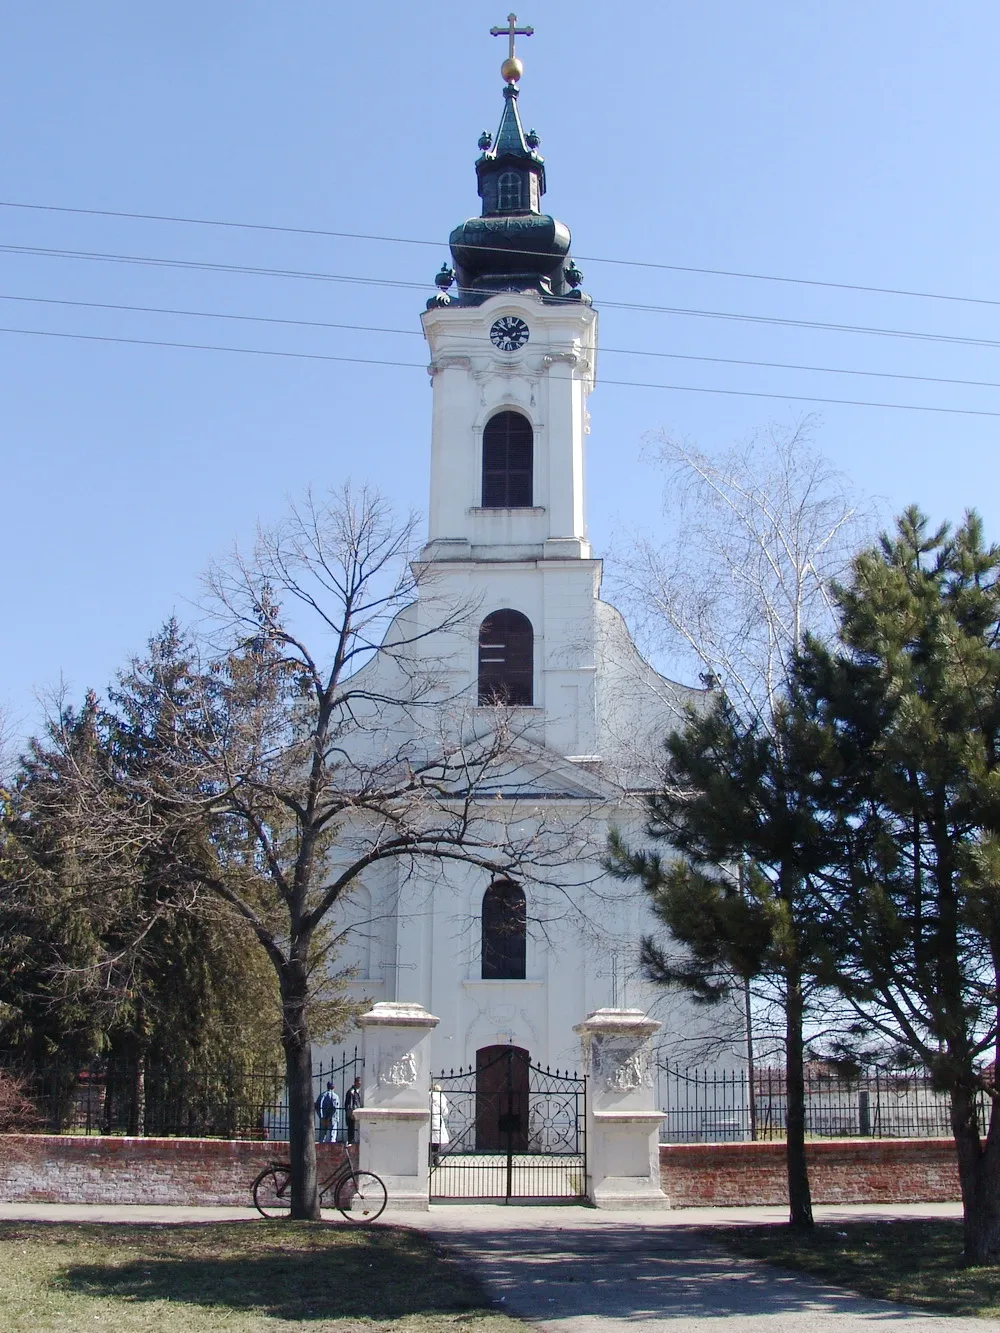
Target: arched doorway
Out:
[502,1099]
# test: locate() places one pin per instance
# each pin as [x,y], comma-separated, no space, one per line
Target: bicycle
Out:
[361,1196]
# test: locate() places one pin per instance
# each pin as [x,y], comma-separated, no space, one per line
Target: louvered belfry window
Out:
[506,649]
[508,446]
[505,929]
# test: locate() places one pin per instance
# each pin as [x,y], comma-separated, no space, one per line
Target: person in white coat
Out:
[439,1122]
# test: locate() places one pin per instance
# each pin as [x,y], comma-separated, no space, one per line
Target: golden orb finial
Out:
[511,69]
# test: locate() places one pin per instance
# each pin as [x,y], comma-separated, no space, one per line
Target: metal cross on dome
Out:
[511,31]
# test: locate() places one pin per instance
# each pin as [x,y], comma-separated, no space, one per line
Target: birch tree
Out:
[751,542]
[755,539]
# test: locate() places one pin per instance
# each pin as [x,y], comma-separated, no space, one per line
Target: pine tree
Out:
[733,892]
[899,731]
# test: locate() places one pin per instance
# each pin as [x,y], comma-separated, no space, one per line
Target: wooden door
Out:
[502,1099]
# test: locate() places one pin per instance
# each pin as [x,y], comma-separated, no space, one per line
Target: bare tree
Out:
[754,537]
[329,729]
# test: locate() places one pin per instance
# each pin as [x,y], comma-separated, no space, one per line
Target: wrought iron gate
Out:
[507,1129]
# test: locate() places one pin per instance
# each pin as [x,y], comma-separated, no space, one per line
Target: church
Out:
[512,340]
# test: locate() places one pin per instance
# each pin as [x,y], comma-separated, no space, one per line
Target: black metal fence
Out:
[508,1130]
[175,1101]
[713,1106]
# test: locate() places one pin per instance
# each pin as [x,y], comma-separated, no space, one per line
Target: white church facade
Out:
[513,344]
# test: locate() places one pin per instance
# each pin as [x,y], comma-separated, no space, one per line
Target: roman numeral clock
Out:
[508,333]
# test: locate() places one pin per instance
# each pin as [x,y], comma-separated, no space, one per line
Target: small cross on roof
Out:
[511,31]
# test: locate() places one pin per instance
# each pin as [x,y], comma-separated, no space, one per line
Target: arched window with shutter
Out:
[508,460]
[505,931]
[506,653]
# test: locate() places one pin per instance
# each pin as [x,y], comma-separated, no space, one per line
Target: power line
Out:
[200,265]
[771,320]
[587,259]
[212,314]
[415,333]
[820,370]
[417,365]
[215,347]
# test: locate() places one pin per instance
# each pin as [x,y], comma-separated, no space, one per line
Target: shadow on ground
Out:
[644,1272]
[280,1269]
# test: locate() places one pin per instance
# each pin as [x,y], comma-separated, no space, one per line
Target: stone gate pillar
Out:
[623,1151]
[393,1122]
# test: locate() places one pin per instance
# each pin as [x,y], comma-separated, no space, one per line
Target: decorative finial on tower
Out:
[511,69]
[443,279]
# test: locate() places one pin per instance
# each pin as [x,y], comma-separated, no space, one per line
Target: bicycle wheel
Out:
[272,1192]
[361,1197]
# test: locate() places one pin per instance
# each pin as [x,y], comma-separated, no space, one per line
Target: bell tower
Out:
[512,362]
[513,342]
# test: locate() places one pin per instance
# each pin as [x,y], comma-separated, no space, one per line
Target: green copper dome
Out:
[513,245]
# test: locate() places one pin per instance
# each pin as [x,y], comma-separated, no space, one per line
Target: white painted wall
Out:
[596,728]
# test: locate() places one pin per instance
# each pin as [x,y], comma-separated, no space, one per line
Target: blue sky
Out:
[852,142]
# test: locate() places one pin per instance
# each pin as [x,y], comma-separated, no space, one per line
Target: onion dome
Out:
[512,245]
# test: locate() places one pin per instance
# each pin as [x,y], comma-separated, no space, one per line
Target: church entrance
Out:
[502,1099]
[507,1129]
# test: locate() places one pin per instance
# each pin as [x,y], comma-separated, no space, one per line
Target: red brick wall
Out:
[82,1169]
[840,1171]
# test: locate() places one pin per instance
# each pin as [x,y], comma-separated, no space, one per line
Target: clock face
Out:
[509,333]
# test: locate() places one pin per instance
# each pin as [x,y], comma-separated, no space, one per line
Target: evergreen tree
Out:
[46,879]
[208,995]
[110,947]
[736,897]
[898,731]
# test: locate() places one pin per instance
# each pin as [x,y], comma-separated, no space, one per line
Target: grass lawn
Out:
[916,1262]
[241,1277]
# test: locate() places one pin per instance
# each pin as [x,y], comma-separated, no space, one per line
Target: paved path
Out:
[577,1270]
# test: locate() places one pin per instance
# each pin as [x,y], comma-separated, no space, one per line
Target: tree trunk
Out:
[751,1064]
[799,1198]
[137,1098]
[979,1177]
[298,1073]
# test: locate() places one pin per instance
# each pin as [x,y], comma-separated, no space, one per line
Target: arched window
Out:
[505,928]
[506,650]
[508,448]
[509,190]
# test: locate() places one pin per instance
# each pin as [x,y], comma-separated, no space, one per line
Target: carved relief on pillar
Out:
[397,1068]
[619,1064]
